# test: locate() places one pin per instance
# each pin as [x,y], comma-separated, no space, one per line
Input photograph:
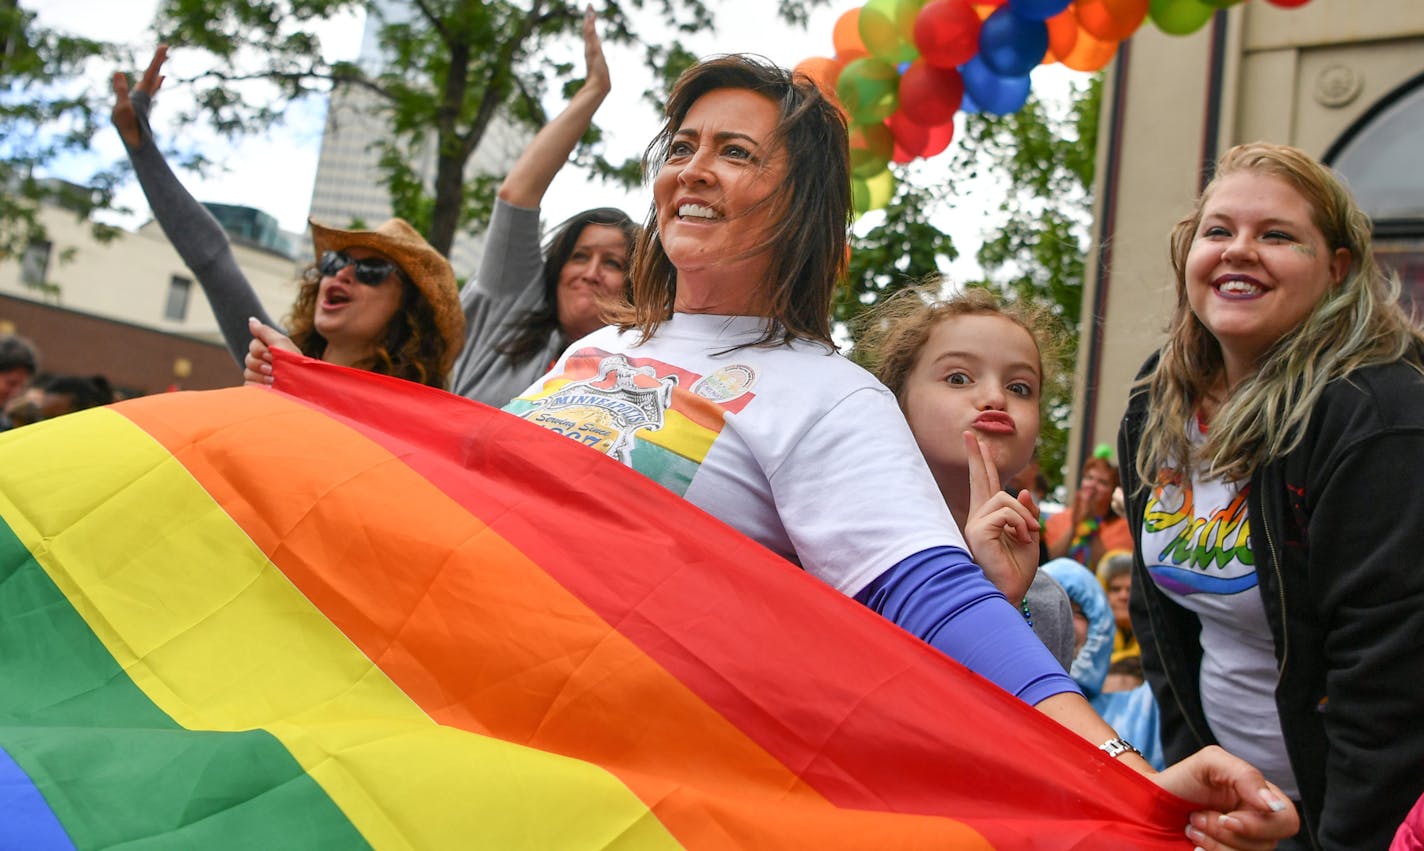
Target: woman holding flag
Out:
[721,382]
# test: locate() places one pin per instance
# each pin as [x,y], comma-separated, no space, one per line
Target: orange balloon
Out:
[984,10]
[1062,34]
[823,72]
[1089,53]
[1110,20]
[846,35]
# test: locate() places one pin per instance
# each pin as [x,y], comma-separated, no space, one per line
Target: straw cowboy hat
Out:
[422,264]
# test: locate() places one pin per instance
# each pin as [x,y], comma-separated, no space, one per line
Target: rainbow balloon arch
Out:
[903,68]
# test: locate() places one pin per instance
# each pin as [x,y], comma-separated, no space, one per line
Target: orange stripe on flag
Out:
[481,638]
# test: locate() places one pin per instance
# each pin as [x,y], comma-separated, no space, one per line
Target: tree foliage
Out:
[45,116]
[452,68]
[905,249]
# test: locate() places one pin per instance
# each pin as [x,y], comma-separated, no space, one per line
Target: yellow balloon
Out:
[871,193]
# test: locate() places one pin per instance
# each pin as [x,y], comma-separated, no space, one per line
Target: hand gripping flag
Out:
[358,612]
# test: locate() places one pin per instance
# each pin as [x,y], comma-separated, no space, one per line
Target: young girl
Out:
[969,375]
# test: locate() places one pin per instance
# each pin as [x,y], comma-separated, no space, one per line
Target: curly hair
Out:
[529,333]
[410,346]
[808,242]
[1357,323]
[891,335]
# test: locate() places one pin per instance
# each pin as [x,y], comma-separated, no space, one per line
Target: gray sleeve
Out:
[509,284]
[1052,617]
[199,239]
[512,260]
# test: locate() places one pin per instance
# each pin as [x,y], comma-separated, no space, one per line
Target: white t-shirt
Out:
[795,446]
[1196,543]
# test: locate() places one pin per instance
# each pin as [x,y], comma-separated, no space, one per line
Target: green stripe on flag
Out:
[112,766]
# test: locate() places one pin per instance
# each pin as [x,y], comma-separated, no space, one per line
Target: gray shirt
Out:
[509,284]
[1052,617]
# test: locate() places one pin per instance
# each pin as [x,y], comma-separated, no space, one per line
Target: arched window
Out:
[1379,156]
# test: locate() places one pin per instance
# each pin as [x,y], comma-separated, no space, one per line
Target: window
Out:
[1378,156]
[176,308]
[34,264]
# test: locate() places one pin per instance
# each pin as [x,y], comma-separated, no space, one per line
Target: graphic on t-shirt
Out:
[1192,548]
[726,384]
[640,411]
[608,410]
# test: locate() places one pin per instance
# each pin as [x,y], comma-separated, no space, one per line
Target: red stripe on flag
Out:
[868,715]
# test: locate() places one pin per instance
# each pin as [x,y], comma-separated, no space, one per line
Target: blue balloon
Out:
[993,93]
[1010,45]
[967,104]
[1038,10]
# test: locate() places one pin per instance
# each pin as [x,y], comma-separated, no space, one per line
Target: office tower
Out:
[349,184]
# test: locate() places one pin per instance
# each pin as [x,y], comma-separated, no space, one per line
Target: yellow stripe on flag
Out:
[220,640]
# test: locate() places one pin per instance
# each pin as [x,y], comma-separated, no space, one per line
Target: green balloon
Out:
[1221,4]
[871,146]
[871,193]
[869,90]
[1180,17]
[888,29]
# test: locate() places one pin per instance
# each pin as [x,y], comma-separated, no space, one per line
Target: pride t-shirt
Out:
[1196,544]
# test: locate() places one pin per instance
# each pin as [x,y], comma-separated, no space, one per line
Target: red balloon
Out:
[928,95]
[915,140]
[1288,4]
[947,33]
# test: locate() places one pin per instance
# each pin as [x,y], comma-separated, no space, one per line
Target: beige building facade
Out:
[137,284]
[1341,79]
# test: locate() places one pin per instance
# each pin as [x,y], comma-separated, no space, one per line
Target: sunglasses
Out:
[370,270]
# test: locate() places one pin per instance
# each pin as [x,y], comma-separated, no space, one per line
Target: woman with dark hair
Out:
[524,307]
[383,300]
[1272,455]
[721,382]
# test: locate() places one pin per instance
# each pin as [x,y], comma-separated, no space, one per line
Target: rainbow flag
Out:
[358,612]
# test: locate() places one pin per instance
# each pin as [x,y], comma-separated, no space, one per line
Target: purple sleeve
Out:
[942,596]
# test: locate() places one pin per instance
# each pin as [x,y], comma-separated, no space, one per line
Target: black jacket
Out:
[1337,531]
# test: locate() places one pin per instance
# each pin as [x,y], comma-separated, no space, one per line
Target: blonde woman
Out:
[1273,450]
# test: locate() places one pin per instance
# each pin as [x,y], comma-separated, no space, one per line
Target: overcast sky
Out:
[275,172]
